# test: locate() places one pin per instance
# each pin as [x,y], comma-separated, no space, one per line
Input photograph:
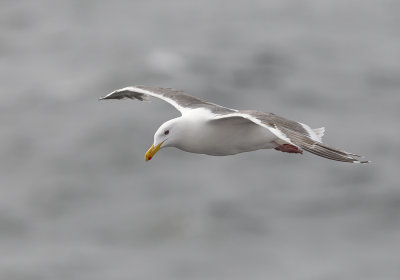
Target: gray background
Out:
[77,200]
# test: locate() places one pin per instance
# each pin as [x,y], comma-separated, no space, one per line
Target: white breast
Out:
[225,137]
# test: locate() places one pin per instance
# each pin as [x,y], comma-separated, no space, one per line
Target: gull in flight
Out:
[211,129]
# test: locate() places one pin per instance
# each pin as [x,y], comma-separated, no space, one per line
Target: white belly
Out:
[220,139]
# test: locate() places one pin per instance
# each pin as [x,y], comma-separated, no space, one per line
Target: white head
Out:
[167,135]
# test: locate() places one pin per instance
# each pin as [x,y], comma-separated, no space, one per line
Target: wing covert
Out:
[179,99]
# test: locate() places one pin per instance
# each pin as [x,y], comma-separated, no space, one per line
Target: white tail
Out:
[319,132]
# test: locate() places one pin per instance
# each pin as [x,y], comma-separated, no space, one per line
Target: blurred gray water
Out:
[78,201]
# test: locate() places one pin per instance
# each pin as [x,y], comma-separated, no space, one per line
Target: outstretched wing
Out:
[294,133]
[179,99]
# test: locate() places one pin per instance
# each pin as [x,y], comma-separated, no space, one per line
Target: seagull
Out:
[211,129]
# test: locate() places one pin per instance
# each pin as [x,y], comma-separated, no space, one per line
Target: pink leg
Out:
[287,148]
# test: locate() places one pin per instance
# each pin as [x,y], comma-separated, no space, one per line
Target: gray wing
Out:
[295,133]
[179,99]
[280,122]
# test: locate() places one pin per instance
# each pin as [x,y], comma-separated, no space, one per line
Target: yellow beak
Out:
[152,151]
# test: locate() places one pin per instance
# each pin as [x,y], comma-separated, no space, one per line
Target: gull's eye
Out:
[166,132]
